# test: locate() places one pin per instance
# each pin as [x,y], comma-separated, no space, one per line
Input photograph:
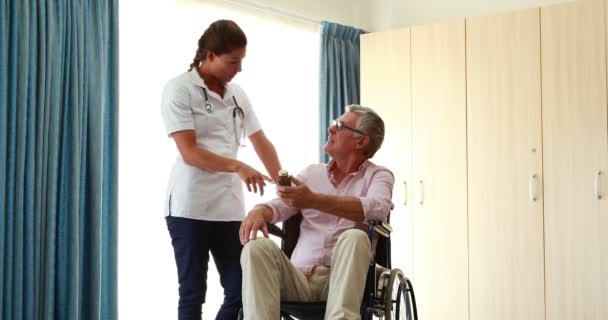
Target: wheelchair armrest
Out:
[380,227]
[276,231]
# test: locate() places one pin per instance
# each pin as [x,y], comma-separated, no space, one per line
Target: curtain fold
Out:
[58,159]
[339,83]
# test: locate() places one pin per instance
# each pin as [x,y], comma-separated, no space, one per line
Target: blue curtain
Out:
[339,84]
[58,159]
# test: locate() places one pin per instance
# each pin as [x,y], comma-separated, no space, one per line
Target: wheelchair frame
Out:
[385,288]
[382,301]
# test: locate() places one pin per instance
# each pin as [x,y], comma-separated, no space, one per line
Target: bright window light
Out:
[157,42]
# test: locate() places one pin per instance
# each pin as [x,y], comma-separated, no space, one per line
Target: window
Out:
[157,42]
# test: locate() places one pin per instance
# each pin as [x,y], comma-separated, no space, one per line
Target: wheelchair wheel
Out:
[400,303]
[383,278]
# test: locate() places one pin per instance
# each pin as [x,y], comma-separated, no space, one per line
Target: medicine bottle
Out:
[284,179]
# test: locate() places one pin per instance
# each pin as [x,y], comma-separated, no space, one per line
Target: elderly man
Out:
[336,200]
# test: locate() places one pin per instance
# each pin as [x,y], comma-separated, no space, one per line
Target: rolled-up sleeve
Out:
[280,211]
[377,203]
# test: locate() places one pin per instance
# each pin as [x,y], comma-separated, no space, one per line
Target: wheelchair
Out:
[388,295]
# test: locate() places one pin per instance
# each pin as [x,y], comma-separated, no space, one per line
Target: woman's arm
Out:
[267,153]
[202,158]
[205,159]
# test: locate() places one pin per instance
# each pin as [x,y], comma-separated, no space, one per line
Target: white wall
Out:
[379,15]
[348,12]
[392,14]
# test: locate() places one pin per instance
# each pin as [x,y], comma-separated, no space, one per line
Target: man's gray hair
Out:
[370,123]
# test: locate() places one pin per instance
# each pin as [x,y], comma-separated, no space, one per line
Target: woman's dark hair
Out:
[221,37]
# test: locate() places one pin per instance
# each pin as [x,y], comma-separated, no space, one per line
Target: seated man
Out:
[333,253]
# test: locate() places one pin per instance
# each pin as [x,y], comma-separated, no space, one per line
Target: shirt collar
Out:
[332,164]
[196,80]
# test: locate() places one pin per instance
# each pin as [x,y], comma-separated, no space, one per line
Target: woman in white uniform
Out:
[209,118]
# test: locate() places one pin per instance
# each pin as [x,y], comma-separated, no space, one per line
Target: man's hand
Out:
[254,222]
[299,196]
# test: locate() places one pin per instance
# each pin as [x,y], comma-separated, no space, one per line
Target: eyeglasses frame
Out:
[340,125]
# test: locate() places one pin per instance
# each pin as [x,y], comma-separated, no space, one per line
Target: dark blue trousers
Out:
[192,241]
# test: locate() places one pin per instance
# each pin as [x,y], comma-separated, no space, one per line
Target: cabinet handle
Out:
[531,188]
[421,192]
[597,185]
[405,192]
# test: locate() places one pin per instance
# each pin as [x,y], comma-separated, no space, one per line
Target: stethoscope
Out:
[237,111]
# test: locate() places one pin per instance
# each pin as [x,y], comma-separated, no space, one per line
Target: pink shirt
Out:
[319,231]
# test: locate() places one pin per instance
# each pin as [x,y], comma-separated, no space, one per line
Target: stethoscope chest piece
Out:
[208,107]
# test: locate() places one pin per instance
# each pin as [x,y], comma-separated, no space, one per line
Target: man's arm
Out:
[374,206]
[346,207]
[300,196]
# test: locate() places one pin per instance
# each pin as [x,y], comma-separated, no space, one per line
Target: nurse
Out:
[209,118]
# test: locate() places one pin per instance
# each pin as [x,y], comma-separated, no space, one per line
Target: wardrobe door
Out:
[440,271]
[603,190]
[575,161]
[385,87]
[505,167]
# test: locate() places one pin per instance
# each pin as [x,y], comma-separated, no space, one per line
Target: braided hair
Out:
[221,37]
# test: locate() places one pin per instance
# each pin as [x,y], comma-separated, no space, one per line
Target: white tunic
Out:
[194,192]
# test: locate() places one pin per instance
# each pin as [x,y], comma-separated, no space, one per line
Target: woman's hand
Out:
[252,178]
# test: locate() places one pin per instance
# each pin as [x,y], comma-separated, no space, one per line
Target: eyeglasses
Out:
[340,125]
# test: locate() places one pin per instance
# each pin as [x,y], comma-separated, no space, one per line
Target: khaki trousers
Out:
[269,277]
